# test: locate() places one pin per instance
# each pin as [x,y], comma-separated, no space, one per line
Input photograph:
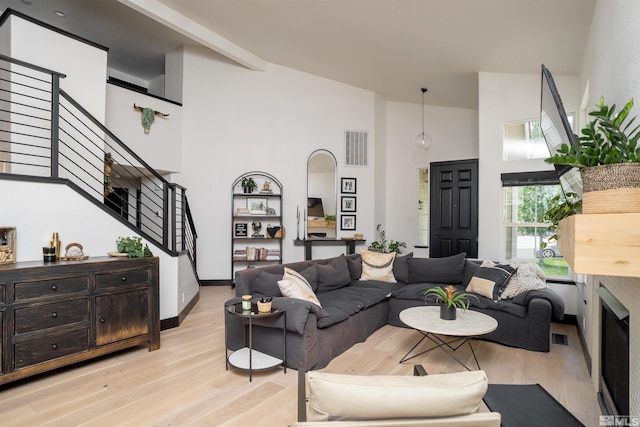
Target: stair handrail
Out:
[141,165]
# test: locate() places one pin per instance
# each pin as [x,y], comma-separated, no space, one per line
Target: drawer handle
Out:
[54,346]
[102,320]
[54,314]
[124,278]
[54,288]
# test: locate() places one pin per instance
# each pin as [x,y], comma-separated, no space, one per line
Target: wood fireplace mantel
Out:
[601,244]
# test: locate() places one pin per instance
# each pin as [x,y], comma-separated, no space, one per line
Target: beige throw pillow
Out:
[377,266]
[294,285]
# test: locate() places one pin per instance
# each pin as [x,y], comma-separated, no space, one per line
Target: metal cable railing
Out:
[44,132]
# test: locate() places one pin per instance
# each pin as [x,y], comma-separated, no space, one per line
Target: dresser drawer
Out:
[31,319]
[125,277]
[51,347]
[50,287]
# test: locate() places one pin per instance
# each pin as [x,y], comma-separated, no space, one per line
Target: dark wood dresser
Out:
[56,314]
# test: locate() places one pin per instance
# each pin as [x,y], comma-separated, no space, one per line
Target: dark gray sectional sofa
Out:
[352,309]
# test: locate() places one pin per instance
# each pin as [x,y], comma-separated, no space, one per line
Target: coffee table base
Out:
[445,345]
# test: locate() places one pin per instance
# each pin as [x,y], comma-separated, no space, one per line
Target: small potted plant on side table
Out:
[451,300]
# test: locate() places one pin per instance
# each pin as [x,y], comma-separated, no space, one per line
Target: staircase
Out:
[46,136]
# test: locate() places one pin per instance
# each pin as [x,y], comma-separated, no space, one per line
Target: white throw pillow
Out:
[294,285]
[377,266]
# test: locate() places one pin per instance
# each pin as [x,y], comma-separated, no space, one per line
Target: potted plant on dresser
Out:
[608,157]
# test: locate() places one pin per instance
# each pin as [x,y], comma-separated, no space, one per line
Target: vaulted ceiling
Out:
[391,47]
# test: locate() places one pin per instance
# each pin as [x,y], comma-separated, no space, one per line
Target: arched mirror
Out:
[322,178]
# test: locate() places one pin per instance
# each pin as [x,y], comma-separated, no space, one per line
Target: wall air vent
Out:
[356,152]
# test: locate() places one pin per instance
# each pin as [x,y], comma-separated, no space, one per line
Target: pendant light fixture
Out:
[423,139]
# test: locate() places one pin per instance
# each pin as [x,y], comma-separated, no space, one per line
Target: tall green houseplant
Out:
[608,157]
[607,139]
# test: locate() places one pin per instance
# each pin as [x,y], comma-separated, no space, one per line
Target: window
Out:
[524,140]
[423,207]
[526,197]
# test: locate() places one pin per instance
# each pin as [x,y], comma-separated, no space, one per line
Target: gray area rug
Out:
[528,405]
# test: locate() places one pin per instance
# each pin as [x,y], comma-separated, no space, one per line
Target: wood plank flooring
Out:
[185,382]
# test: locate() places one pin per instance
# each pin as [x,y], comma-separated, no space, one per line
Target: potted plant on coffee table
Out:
[450,300]
[608,157]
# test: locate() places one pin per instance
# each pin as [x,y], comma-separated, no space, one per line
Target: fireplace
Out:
[614,355]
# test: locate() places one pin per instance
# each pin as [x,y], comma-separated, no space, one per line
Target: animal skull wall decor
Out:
[148,116]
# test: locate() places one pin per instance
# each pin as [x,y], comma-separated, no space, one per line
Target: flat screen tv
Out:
[557,131]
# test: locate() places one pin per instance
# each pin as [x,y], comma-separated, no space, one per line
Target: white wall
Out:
[85,66]
[46,208]
[507,98]
[241,120]
[455,137]
[173,67]
[161,148]
[610,67]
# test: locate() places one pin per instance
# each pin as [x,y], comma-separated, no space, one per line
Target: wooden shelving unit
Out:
[601,244]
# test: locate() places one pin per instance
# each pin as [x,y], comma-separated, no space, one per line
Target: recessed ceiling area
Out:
[392,48]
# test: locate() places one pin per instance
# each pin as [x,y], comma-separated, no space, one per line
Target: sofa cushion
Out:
[267,283]
[341,303]
[401,267]
[415,292]
[446,270]
[490,279]
[333,274]
[355,266]
[377,266]
[393,396]
[294,285]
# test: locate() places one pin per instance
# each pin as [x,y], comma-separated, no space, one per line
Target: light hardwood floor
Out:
[185,382]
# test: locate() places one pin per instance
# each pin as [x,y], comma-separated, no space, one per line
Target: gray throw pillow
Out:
[333,275]
[401,267]
[444,270]
[354,262]
[267,283]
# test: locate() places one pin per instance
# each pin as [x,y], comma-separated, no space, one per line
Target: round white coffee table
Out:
[427,321]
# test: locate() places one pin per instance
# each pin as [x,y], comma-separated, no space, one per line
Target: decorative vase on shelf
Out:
[447,312]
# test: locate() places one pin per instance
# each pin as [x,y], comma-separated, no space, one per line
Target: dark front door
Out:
[454,208]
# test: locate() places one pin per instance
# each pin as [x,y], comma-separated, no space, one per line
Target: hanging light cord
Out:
[424,90]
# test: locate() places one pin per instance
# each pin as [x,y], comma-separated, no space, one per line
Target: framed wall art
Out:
[7,245]
[348,185]
[348,203]
[240,229]
[347,222]
[257,206]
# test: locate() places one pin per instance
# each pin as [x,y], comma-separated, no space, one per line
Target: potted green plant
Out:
[608,157]
[248,184]
[132,246]
[380,244]
[560,208]
[451,300]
